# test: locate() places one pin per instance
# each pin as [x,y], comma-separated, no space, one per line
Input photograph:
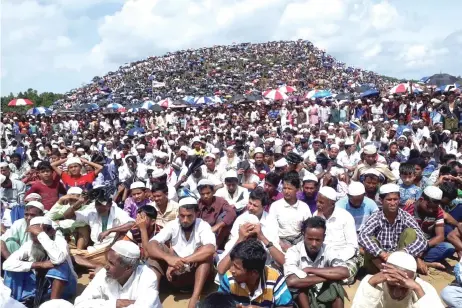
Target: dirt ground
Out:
[437,279]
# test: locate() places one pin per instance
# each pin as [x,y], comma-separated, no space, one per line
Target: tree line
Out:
[44,99]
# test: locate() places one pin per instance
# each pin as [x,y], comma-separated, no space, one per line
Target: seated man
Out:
[452,210]
[389,230]
[357,204]
[105,220]
[397,285]
[11,190]
[309,191]
[235,195]
[452,294]
[167,210]
[314,270]
[430,218]
[271,186]
[250,281]
[372,179]
[41,268]
[189,261]
[137,199]
[144,228]
[123,282]
[255,222]
[341,236]
[216,211]
[17,235]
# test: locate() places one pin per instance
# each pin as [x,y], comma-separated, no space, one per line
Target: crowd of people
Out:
[282,204]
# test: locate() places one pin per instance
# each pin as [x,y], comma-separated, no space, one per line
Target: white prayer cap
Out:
[140,147]
[389,188]
[349,142]
[216,151]
[310,177]
[157,173]
[402,137]
[258,150]
[356,189]
[40,220]
[249,218]
[230,148]
[187,201]
[371,171]
[32,196]
[54,146]
[394,127]
[56,303]
[73,160]
[403,260]
[230,174]
[184,149]
[75,191]
[117,156]
[80,150]
[328,192]
[334,146]
[205,182]
[36,204]
[210,155]
[394,165]
[280,163]
[433,192]
[370,149]
[127,249]
[317,140]
[161,154]
[135,185]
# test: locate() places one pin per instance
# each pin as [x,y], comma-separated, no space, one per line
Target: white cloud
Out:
[55,45]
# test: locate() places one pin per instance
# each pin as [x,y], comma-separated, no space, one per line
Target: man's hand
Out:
[217,228]
[240,171]
[400,278]
[257,231]
[35,229]
[170,272]
[122,303]
[141,221]
[175,262]
[422,267]
[409,202]
[384,256]
[103,235]
[245,231]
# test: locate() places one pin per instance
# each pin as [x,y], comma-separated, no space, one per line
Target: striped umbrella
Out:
[275,95]
[39,110]
[133,110]
[148,105]
[204,100]
[318,94]
[166,103]
[404,88]
[287,89]
[115,106]
[20,102]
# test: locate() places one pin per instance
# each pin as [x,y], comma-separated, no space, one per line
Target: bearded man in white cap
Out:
[389,230]
[341,236]
[189,260]
[396,286]
[123,282]
[236,195]
[41,268]
[17,235]
[370,160]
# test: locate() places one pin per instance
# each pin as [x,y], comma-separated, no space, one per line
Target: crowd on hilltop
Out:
[224,71]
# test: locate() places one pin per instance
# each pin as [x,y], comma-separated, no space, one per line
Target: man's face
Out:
[258,159]
[102,209]
[45,175]
[138,194]
[141,152]
[316,146]
[324,204]
[238,271]
[370,158]
[418,171]
[206,194]
[304,145]
[74,169]
[210,163]
[31,212]
[390,202]
[255,207]
[5,171]
[401,142]
[159,197]
[356,201]
[231,185]
[114,268]
[309,189]
[313,239]
[187,217]
[333,153]
[16,160]
[429,206]
[371,184]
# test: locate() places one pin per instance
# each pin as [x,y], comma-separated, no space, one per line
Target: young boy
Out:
[409,192]
[49,186]
[419,164]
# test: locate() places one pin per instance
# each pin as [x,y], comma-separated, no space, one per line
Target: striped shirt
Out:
[272,290]
[388,234]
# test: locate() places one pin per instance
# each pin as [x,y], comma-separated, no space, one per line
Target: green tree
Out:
[44,99]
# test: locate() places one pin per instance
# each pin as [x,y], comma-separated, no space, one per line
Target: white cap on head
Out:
[205,182]
[258,150]
[184,149]
[370,149]
[73,160]
[210,155]
[140,147]
[3,164]
[403,260]
[356,189]
[389,188]
[230,174]
[127,249]
[32,196]
[433,192]
[40,220]
[280,163]
[74,191]
[187,200]
[310,177]
[36,204]
[371,171]
[334,146]
[328,192]
[135,185]
[157,173]
[56,303]
[348,142]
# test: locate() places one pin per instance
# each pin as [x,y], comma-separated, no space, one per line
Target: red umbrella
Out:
[20,102]
[275,95]
[287,89]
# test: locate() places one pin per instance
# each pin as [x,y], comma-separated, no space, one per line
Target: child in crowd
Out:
[409,192]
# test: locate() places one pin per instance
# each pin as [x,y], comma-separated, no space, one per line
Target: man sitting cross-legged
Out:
[123,282]
[41,268]
[189,260]
[313,268]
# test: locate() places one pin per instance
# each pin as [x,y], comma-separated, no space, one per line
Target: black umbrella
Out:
[253,97]
[239,98]
[343,96]
[157,108]
[441,80]
[364,87]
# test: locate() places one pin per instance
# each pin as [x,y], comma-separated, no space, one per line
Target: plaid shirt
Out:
[388,234]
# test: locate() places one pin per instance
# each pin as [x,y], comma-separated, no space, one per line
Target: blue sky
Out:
[57,45]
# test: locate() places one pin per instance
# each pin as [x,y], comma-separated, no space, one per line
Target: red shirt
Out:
[50,194]
[428,223]
[84,181]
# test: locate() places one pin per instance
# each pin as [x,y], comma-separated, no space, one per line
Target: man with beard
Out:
[189,261]
[143,157]
[309,191]
[41,268]
[123,282]
[260,167]
[370,160]
[16,236]
[396,286]
[236,195]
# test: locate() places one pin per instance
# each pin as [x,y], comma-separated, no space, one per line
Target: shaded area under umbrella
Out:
[370,93]
[441,80]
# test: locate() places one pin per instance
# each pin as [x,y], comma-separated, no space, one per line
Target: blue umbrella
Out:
[114,106]
[133,110]
[205,100]
[447,87]
[39,110]
[136,131]
[189,99]
[148,105]
[370,92]
[322,94]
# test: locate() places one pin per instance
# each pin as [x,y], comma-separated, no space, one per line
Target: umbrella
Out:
[148,105]
[275,95]
[20,102]
[447,87]
[318,94]
[238,98]
[115,106]
[441,80]
[370,92]
[343,96]
[204,100]
[135,131]
[189,99]
[92,106]
[133,110]
[287,89]
[404,88]
[364,87]
[39,110]
[217,99]
[157,108]
[166,103]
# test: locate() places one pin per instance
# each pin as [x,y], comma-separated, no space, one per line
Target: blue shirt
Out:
[361,214]
[408,192]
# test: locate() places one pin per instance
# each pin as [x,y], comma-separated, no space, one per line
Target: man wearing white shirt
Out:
[193,244]
[341,236]
[255,222]
[236,195]
[122,282]
[42,261]
[212,171]
[349,158]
